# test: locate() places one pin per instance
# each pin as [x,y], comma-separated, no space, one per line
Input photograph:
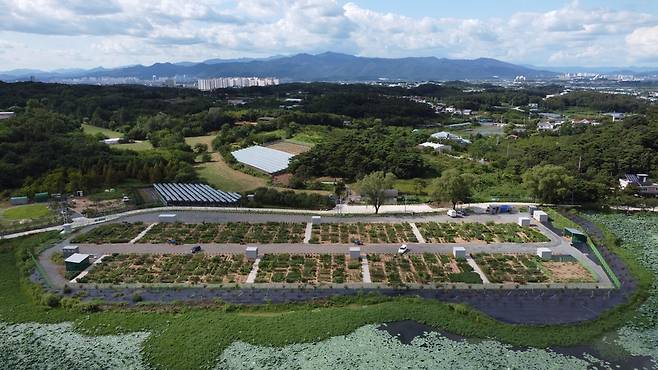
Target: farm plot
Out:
[450,232]
[183,269]
[265,233]
[111,233]
[309,269]
[367,233]
[508,268]
[567,272]
[420,269]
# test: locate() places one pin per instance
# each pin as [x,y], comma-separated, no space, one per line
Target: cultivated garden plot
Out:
[183,269]
[111,233]
[522,269]
[427,268]
[450,232]
[232,232]
[366,232]
[308,269]
[567,272]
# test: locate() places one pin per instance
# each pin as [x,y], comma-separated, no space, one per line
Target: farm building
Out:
[176,194]
[77,262]
[576,236]
[15,201]
[436,146]
[270,161]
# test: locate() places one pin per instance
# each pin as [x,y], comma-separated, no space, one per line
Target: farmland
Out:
[179,269]
[308,269]
[367,233]
[523,269]
[271,232]
[477,232]
[420,269]
[111,233]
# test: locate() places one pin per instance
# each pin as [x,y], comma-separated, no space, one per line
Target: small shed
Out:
[316,219]
[355,253]
[540,216]
[577,237]
[459,252]
[524,221]
[16,201]
[41,197]
[77,262]
[70,250]
[167,217]
[545,253]
[251,253]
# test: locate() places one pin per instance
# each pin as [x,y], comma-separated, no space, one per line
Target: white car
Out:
[403,249]
[452,213]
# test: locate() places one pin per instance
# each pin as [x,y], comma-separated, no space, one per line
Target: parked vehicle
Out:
[454,214]
[172,241]
[357,242]
[196,249]
[403,249]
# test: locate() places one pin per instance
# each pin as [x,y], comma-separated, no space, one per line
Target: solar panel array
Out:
[265,159]
[176,194]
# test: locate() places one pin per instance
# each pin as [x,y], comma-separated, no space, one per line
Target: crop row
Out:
[271,232]
[309,268]
[490,232]
[366,232]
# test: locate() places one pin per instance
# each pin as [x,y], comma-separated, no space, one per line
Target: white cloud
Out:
[139,31]
[642,43]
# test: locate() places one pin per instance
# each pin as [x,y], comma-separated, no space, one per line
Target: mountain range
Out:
[306,67]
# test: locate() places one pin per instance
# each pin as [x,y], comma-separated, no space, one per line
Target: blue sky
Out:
[52,34]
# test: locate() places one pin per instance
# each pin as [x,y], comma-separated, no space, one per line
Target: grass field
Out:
[138,146]
[93,130]
[26,212]
[219,174]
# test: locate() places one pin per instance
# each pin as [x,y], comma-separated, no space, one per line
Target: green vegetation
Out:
[271,232]
[94,131]
[420,269]
[373,187]
[449,232]
[307,269]
[365,232]
[26,212]
[178,269]
[452,186]
[111,233]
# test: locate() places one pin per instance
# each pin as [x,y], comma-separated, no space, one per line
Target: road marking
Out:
[417,233]
[254,272]
[141,235]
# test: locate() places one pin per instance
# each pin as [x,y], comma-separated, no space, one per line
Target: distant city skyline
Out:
[55,34]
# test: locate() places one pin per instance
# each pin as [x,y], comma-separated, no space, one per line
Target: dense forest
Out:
[356,129]
[45,151]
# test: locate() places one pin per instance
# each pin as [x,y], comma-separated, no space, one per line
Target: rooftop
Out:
[265,159]
[77,258]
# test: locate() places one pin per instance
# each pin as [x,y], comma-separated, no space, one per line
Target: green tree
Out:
[372,186]
[452,186]
[548,183]
[200,148]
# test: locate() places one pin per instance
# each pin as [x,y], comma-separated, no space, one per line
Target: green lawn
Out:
[29,212]
[93,130]
[138,147]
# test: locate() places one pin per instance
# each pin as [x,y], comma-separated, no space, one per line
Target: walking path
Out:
[141,235]
[417,233]
[365,270]
[477,269]
[254,272]
[308,233]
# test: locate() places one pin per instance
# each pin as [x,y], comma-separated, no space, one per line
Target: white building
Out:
[641,180]
[5,115]
[436,146]
[444,135]
[226,82]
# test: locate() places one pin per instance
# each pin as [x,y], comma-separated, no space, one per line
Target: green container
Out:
[41,197]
